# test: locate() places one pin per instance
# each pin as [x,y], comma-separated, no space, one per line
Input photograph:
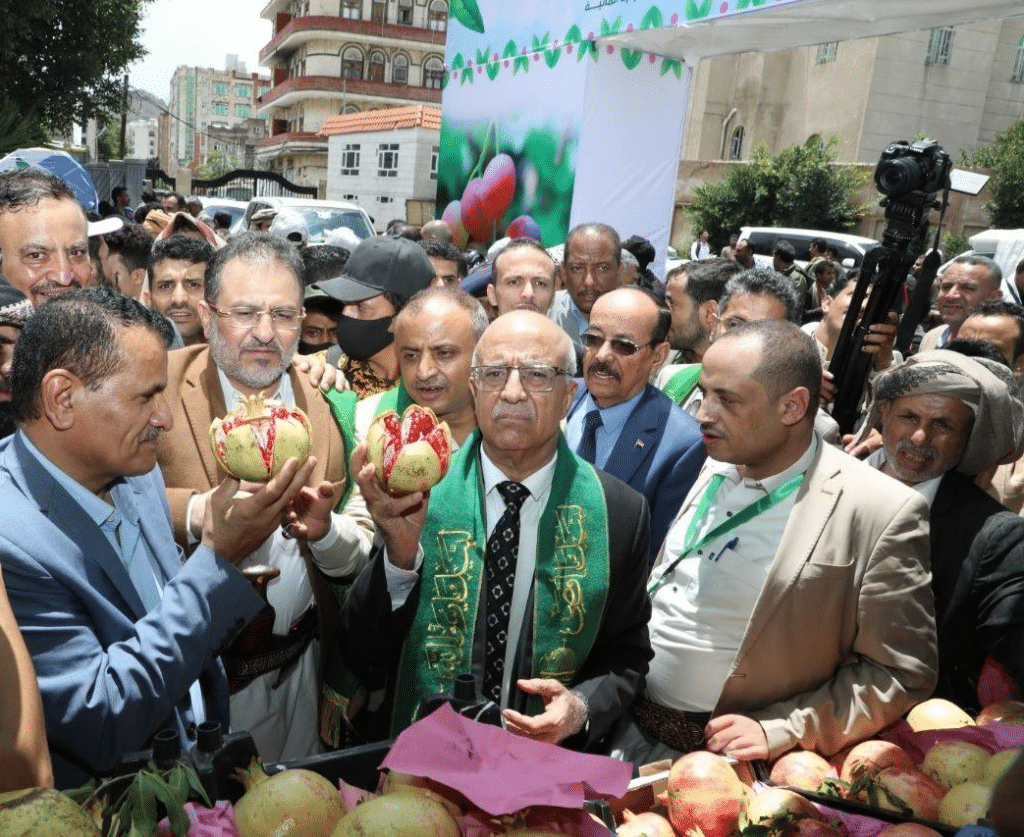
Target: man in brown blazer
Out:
[251,313]
[792,601]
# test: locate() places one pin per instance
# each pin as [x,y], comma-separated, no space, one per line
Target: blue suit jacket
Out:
[659,453]
[110,674]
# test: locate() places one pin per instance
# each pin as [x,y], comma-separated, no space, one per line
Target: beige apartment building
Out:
[330,57]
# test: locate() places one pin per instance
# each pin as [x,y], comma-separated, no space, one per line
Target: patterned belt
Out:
[683,731]
[257,650]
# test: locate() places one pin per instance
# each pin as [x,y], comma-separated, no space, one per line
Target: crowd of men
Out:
[650,538]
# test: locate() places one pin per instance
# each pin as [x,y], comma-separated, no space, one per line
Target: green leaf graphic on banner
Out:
[522,62]
[483,55]
[746,4]
[466,74]
[551,56]
[492,70]
[510,50]
[653,19]
[631,57]
[540,43]
[572,36]
[458,62]
[613,28]
[467,13]
[672,64]
[695,12]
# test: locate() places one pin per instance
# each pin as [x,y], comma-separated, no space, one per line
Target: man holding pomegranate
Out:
[791,602]
[124,635]
[566,653]
[251,313]
[945,419]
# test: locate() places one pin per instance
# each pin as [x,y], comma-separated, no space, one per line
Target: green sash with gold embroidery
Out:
[570,580]
[396,399]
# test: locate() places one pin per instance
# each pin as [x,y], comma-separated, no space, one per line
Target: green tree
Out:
[801,187]
[64,60]
[215,165]
[1005,157]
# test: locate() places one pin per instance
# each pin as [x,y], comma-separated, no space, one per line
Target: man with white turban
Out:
[946,418]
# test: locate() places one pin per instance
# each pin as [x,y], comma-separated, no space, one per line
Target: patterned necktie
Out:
[502,551]
[588,441]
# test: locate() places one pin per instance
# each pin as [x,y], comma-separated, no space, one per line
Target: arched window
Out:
[437,15]
[433,73]
[352,63]
[377,66]
[400,69]
[736,144]
[1018,63]
[350,109]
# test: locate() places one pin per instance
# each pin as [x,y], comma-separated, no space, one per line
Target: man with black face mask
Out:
[382,274]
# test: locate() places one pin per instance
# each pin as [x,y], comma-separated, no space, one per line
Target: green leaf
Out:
[178,783]
[551,56]
[492,70]
[522,62]
[653,19]
[483,55]
[572,36]
[467,75]
[143,813]
[196,786]
[540,43]
[458,62]
[631,57]
[468,14]
[672,64]
[510,50]
[611,28]
[695,12]
[587,48]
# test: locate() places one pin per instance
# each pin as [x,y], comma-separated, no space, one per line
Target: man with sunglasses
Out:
[251,313]
[621,423]
[525,566]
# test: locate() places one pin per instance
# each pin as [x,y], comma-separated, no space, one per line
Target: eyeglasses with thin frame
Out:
[537,378]
[284,319]
[620,345]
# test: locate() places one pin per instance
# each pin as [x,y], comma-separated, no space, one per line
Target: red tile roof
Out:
[384,119]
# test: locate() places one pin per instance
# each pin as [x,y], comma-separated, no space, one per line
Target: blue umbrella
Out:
[59,163]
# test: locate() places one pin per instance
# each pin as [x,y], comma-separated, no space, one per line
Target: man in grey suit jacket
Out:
[792,601]
[124,636]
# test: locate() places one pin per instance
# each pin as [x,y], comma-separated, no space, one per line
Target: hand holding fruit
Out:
[564,713]
[398,519]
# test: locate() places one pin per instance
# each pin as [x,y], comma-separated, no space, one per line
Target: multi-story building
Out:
[330,57]
[205,103]
[960,85]
[385,160]
[141,139]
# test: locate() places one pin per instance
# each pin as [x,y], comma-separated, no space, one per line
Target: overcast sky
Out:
[197,33]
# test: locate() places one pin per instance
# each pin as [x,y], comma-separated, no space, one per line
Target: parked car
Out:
[211,206]
[852,248]
[321,216]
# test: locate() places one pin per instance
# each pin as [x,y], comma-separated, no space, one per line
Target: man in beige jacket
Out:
[792,601]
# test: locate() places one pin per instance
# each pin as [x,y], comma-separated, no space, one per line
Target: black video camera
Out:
[904,168]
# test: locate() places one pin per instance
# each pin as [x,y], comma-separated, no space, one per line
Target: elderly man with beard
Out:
[621,423]
[946,418]
[251,314]
[43,235]
[435,334]
[525,567]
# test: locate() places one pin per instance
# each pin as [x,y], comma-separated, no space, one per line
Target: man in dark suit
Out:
[946,418]
[624,425]
[543,603]
[124,635]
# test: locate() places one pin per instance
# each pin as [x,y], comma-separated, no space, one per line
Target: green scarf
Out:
[397,399]
[682,383]
[570,586]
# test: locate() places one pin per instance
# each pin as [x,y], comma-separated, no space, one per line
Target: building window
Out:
[433,73]
[352,64]
[400,70]
[736,144]
[940,46]
[1018,64]
[263,89]
[387,160]
[220,108]
[350,159]
[353,198]
[220,88]
[350,109]
[243,90]
[385,199]
[405,12]
[827,53]
[378,9]
[435,152]
[437,15]
[351,9]
[242,111]
[377,66]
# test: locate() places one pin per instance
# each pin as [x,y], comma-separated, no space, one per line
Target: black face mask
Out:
[312,348]
[362,339]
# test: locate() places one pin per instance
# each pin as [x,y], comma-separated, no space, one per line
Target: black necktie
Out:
[588,441]
[502,551]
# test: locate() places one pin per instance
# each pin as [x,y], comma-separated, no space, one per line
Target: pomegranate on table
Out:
[255,440]
[410,453]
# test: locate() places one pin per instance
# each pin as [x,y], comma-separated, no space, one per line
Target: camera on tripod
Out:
[919,167]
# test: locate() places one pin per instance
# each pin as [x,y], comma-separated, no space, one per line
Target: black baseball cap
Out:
[381,264]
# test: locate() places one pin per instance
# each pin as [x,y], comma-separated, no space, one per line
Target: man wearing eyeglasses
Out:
[621,423]
[590,267]
[525,566]
[251,313]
